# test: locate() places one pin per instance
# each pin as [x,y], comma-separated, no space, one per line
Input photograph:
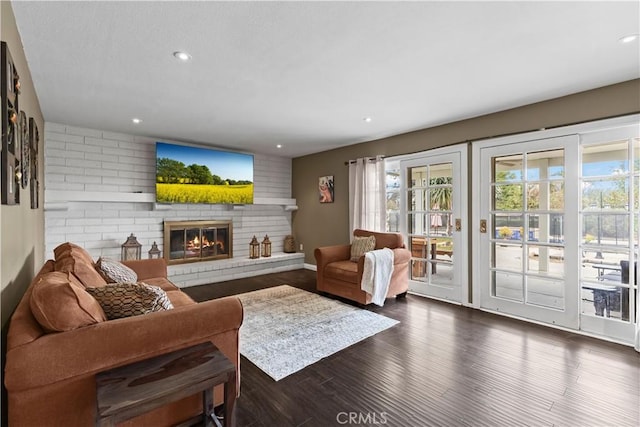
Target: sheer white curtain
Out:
[367,200]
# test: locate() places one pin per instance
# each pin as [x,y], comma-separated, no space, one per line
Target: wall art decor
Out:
[325,189]
[11,152]
[34,141]
[24,159]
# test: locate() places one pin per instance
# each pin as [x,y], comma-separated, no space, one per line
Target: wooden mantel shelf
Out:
[59,200]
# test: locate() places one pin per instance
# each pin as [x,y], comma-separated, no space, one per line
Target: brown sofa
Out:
[50,376]
[338,275]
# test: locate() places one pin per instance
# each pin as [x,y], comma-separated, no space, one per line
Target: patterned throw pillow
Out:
[116,272]
[360,245]
[130,299]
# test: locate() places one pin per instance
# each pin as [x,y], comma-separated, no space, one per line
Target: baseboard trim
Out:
[310,267]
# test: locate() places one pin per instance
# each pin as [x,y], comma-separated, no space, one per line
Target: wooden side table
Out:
[132,390]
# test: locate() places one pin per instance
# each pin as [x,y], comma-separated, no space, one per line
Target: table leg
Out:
[599,302]
[433,257]
[207,408]
[229,399]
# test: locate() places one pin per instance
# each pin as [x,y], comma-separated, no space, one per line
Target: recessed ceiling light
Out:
[367,119]
[136,120]
[628,39]
[279,146]
[182,56]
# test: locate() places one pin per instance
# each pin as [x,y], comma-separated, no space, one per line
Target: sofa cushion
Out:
[84,272]
[130,299]
[360,245]
[162,282]
[342,270]
[115,272]
[59,303]
[71,248]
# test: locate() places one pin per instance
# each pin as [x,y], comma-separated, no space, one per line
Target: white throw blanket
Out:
[376,276]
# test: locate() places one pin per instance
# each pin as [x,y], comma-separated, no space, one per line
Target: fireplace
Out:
[193,241]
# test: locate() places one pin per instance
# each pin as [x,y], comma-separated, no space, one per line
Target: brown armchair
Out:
[338,275]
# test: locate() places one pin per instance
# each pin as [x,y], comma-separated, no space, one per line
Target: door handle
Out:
[483,225]
[458,224]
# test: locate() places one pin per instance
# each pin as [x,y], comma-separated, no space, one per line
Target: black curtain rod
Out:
[371,159]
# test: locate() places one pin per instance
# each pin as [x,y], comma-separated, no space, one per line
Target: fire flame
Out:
[196,244]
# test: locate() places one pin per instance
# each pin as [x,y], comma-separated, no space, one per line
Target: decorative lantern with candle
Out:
[154,252]
[266,246]
[254,248]
[131,249]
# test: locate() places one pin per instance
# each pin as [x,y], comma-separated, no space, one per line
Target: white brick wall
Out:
[91,161]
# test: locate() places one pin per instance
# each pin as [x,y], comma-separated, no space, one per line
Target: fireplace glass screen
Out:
[191,241]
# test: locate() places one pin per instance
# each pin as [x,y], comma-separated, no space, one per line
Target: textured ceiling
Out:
[306,74]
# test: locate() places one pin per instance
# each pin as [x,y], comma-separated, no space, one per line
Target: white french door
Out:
[610,232]
[528,229]
[434,196]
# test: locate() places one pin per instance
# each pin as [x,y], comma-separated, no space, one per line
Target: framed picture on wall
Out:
[325,189]
[34,141]
[25,144]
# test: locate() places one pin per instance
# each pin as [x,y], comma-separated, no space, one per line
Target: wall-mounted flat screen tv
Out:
[186,174]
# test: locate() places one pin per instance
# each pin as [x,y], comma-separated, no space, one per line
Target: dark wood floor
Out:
[444,365]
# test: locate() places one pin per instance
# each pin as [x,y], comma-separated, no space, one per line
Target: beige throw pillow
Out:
[130,299]
[360,245]
[115,272]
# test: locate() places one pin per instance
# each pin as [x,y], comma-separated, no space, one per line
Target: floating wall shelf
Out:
[59,200]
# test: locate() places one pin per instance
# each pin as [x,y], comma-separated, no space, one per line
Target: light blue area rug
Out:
[285,328]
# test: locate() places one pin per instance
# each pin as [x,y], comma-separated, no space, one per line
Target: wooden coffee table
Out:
[132,390]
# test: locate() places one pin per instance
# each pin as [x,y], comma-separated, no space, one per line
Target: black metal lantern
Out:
[266,246]
[131,249]
[154,252]
[254,248]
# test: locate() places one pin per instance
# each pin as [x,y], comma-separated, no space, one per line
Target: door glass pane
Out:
[508,226]
[605,300]
[417,223]
[545,196]
[605,230]
[438,224]
[548,228]
[545,260]
[419,270]
[441,272]
[605,159]
[507,285]
[440,184]
[602,266]
[418,176]
[392,184]
[605,194]
[507,197]
[508,168]
[506,257]
[545,292]
[545,165]
[442,248]
[418,200]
